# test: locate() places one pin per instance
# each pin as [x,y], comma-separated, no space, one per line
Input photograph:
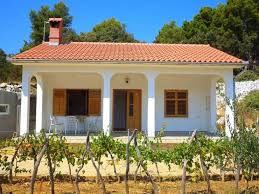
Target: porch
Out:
[121,111]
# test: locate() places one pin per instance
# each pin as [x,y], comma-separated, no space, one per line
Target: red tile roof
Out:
[127,52]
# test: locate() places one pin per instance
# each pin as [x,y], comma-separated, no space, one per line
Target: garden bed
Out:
[64,167]
[21,186]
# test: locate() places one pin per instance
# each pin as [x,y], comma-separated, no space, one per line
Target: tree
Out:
[242,22]
[170,33]
[38,18]
[110,30]
[8,71]
[247,76]
[251,101]
[233,28]
[196,31]
[69,35]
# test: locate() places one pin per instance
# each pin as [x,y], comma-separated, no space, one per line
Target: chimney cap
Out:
[55,19]
[55,31]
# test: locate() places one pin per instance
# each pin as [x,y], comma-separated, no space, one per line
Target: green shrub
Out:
[251,101]
[248,76]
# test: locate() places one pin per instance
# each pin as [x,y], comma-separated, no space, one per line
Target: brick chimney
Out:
[55,31]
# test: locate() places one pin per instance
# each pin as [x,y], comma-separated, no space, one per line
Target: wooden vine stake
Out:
[36,167]
[158,173]
[204,170]
[1,189]
[136,172]
[70,173]
[78,171]
[10,177]
[183,184]
[237,177]
[205,173]
[154,186]
[51,169]
[114,166]
[128,160]
[88,148]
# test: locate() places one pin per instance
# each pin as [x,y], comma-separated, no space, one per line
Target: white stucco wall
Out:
[196,79]
[67,81]
[198,111]
[90,81]
[198,89]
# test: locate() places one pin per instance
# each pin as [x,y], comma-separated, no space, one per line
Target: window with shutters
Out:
[77,102]
[176,103]
[94,102]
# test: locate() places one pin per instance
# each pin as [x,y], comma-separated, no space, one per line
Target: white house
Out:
[120,86]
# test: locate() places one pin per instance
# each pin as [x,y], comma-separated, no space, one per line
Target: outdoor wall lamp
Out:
[126,80]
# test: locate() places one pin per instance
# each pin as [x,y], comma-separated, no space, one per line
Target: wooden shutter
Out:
[94,102]
[59,102]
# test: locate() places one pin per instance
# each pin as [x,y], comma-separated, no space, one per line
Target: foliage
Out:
[249,152]
[8,71]
[251,101]
[170,33]
[232,27]
[247,110]
[247,76]
[223,153]
[110,30]
[56,149]
[38,18]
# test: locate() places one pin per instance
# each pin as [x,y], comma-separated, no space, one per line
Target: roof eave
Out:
[31,61]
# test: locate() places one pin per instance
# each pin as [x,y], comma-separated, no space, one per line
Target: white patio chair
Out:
[81,124]
[56,126]
[72,124]
[92,124]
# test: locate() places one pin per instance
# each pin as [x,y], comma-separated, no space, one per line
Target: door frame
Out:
[113,100]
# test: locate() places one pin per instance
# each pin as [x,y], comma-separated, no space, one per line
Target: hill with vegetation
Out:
[232,27]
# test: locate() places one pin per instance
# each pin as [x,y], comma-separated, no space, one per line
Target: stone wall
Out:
[16,87]
[242,89]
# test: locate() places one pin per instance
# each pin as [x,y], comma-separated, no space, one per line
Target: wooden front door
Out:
[134,109]
[127,109]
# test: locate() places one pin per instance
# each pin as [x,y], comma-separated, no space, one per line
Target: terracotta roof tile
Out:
[128,52]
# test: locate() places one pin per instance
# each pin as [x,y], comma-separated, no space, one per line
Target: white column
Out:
[106,101]
[39,103]
[25,103]
[151,117]
[230,95]
[213,105]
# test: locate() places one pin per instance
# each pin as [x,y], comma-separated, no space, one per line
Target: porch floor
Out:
[169,137]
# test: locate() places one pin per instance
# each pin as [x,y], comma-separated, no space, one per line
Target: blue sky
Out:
[143,18]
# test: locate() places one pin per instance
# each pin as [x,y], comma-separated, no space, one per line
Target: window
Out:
[77,102]
[176,103]
[131,104]
[4,109]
